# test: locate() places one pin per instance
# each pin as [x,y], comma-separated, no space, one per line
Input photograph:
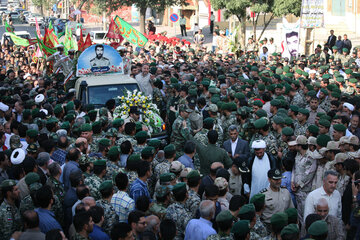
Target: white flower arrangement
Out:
[150,113]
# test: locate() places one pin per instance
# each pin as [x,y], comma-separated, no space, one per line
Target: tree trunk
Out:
[266,25]
[242,20]
[142,19]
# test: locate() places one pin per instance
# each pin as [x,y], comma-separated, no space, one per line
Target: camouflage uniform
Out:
[180,134]
[259,227]
[112,169]
[10,220]
[325,104]
[271,143]
[110,216]
[298,100]
[26,204]
[57,209]
[270,237]
[126,138]
[193,202]
[161,168]
[202,138]
[158,209]
[57,188]
[93,182]
[220,236]
[300,129]
[254,235]
[226,123]
[342,183]
[220,131]
[132,175]
[196,120]
[181,216]
[77,236]
[138,148]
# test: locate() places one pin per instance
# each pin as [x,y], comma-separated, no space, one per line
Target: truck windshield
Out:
[99,35]
[98,95]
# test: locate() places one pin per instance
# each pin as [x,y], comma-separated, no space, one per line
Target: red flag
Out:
[87,42]
[47,39]
[81,41]
[114,31]
[32,41]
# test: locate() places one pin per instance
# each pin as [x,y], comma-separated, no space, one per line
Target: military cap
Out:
[345,50]
[86,127]
[58,109]
[292,214]
[279,219]
[26,113]
[193,174]
[322,140]
[258,103]
[113,151]
[32,148]
[154,143]
[69,117]
[100,162]
[170,149]
[304,111]
[247,208]
[141,135]
[260,123]
[313,129]
[208,121]
[70,106]
[278,120]
[325,76]
[318,228]
[335,48]
[261,87]
[176,167]
[241,227]
[167,177]
[133,158]
[258,198]
[311,93]
[105,142]
[290,229]
[7,183]
[298,71]
[65,125]
[205,82]
[193,92]
[224,216]
[51,120]
[31,177]
[148,150]
[162,191]
[221,183]
[348,71]
[105,185]
[324,122]
[261,113]
[179,187]
[294,108]
[118,122]
[340,79]
[35,186]
[32,133]
[339,127]
[287,131]
[15,142]
[274,174]
[286,69]
[324,91]
[353,80]
[335,95]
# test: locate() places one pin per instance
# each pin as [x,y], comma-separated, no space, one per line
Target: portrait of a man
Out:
[292,42]
[99,60]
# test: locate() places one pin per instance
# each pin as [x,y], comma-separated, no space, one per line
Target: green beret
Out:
[261,87]
[26,113]
[51,120]
[324,91]
[258,198]
[167,177]
[118,122]
[209,121]
[32,133]
[241,227]
[322,140]
[105,185]
[34,187]
[292,214]
[340,79]
[353,80]
[278,120]
[327,117]
[294,108]
[65,125]
[100,162]
[221,77]
[7,183]
[105,142]
[205,82]
[339,127]
[86,128]
[224,216]
[170,149]
[138,126]
[318,228]
[193,92]
[299,71]
[345,50]
[162,191]
[290,229]
[179,187]
[261,113]
[287,131]
[313,129]
[141,135]
[260,123]
[154,143]
[70,106]
[335,48]
[92,113]
[239,95]
[304,111]
[70,117]
[275,102]
[96,126]
[193,174]
[324,122]
[58,109]
[31,177]
[134,158]
[325,76]
[148,151]
[335,95]
[279,219]
[311,93]
[309,87]
[348,71]
[113,151]
[258,103]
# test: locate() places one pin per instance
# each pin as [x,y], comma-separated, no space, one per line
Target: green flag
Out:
[130,33]
[8,28]
[19,41]
[48,51]
[69,42]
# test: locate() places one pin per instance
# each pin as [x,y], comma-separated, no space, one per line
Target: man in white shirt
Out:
[327,191]
[143,80]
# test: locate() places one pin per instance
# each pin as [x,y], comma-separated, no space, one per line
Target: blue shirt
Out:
[186,161]
[69,167]
[123,159]
[286,182]
[59,156]
[139,188]
[47,220]
[98,234]
[199,229]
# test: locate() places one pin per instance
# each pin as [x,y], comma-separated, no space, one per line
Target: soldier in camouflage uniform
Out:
[177,210]
[301,124]
[27,202]
[164,167]
[162,194]
[86,132]
[228,119]
[110,216]
[193,182]
[213,109]
[298,100]
[181,130]
[94,181]
[224,221]
[53,181]
[278,221]
[259,202]
[141,138]
[112,166]
[132,164]
[262,125]
[247,212]
[10,218]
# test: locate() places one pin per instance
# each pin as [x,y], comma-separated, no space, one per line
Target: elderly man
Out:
[235,146]
[335,225]
[144,80]
[327,191]
[260,164]
[200,229]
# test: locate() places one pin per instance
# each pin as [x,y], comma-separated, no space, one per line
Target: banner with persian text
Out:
[312,13]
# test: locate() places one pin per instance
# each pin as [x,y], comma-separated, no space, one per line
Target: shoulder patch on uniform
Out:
[264,190]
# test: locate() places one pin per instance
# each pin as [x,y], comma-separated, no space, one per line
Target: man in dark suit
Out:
[331,39]
[235,146]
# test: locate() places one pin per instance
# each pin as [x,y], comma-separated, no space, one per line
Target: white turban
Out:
[258,144]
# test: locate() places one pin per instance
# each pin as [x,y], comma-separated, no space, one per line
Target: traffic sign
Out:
[174,17]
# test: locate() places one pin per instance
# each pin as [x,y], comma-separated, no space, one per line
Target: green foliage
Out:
[158,5]
[232,7]
[284,7]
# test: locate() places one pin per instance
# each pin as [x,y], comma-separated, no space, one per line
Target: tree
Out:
[142,5]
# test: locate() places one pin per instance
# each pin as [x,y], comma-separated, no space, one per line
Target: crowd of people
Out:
[257,148]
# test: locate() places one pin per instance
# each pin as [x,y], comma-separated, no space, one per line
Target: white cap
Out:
[312,71]
[59,45]
[258,144]
[27,75]
[17,156]
[317,155]
[292,143]
[39,98]
[44,111]
[3,107]
[349,106]
[61,132]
